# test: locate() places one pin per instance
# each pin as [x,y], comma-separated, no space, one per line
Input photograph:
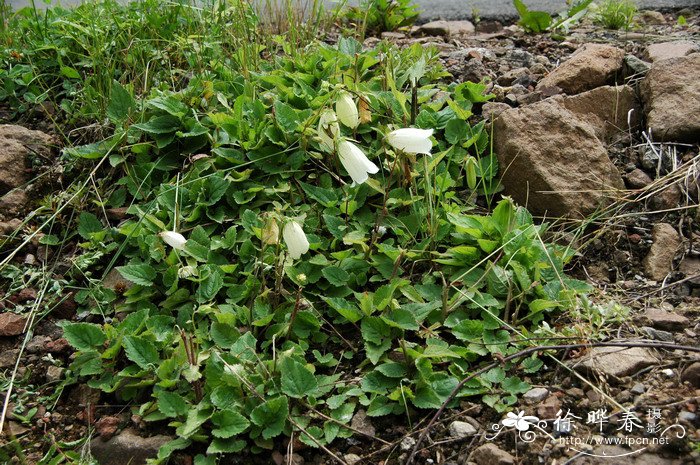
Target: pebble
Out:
[407,443]
[535,395]
[690,417]
[461,429]
[668,372]
[657,334]
[352,459]
[638,388]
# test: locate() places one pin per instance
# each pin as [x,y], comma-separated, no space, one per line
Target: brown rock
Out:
[653,17]
[662,319]
[16,142]
[7,228]
[11,324]
[107,426]
[666,50]
[690,267]
[671,92]
[591,66]
[616,361]
[57,346]
[8,357]
[26,294]
[667,199]
[552,160]
[37,344]
[691,374]
[491,110]
[361,422]
[507,78]
[14,202]
[637,179]
[447,28]
[606,109]
[659,260]
[126,447]
[491,454]
[549,407]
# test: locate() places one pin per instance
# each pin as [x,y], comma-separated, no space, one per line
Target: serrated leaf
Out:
[297,380]
[141,351]
[121,103]
[335,275]
[171,404]
[84,336]
[142,274]
[229,423]
[88,224]
[271,415]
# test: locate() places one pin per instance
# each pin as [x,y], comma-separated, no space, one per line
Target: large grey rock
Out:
[671,93]
[553,160]
[665,244]
[591,66]
[126,447]
[665,50]
[16,142]
[616,361]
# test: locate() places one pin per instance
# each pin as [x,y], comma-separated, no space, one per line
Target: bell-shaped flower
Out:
[328,130]
[173,239]
[346,110]
[355,162]
[296,240]
[411,140]
[521,422]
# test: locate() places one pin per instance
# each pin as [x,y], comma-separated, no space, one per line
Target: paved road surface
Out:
[460,9]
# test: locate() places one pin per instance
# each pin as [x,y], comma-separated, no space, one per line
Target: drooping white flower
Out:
[328,129]
[520,421]
[355,162]
[174,239]
[346,110]
[411,140]
[296,240]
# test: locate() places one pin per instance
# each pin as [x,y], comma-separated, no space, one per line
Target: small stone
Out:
[491,454]
[668,372]
[126,447]
[294,459]
[37,344]
[389,35]
[54,373]
[669,321]
[25,295]
[535,395]
[16,429]
[107,426]
[637,179]
[691,374]
[58,345]
[653,17]
[665,243]
[549,407]
[657,334]
[407,443]
[11,324]
[30,259]
[666,199]
[461,429]
[616,361]
[14,202]
[8,357]
[352,459]
[666,50]
[362,423]
[634,67]
[447,28]
[690,417]
[638,388]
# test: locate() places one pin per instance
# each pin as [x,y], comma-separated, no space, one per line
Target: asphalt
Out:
[458,9]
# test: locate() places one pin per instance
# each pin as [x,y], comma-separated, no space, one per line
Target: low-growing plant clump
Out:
[300,233]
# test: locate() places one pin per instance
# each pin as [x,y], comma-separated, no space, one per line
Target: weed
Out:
[376,16]
[616,14]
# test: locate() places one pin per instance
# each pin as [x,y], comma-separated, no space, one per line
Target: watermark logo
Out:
[632,431]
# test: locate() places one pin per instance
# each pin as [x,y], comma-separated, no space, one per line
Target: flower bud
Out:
[346,110]
[173,239]
[411,140]
[296,240]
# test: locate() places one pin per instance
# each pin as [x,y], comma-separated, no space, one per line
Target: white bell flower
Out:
[296,240]
[411,140]
[355,162]
[347,111]
[173,239]
[328,130]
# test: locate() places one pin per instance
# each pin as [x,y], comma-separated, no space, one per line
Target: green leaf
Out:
[286,117]
[455,130]
[335,275]
[141,351]
[169,447]
[374,330]
[196,417]
[297,380]
[171,404]
[326,197]
[88,224]
[229,423]
[121,103]
[469,330]
[514,385]
[158,125]
[392,369]
[210,286]
[142,274]
[70,73]
[84,336]
[271,415]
